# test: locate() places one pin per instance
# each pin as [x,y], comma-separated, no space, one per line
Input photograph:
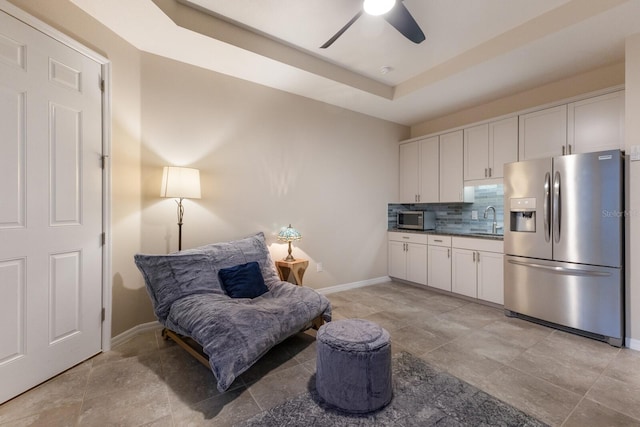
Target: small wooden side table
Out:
[295,268]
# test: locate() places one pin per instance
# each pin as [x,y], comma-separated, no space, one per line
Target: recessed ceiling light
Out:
[378,7]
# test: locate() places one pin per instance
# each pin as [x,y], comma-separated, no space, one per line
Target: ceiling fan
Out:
[394,12]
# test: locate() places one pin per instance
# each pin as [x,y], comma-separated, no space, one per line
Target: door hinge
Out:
[103,159]
[103,238]
[101,85]
[104,314]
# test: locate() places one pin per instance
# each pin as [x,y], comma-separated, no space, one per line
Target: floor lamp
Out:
[180,183]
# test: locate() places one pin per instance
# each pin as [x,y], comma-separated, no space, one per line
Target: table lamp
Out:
[180,183]
[289,234]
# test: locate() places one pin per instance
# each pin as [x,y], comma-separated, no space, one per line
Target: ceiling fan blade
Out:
[342,30]
[402,20]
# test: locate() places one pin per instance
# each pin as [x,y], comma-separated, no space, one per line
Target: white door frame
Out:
[106,151]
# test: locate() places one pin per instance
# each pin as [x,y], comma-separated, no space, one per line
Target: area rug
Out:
[423,396]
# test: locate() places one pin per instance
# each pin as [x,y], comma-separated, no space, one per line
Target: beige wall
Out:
[268,158]
[601,78]
[632,136]
[130,302]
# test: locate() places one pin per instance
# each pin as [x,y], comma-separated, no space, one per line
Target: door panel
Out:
[417,263]
[65,302]
[491,277]
[463,272]
[476,152]
[581,297]
[12,309]
[50,225]
[12,157]
[439,272]
[409,172]
[591,210]
[526,180]
[429,170]
[397,260]
[543,133]
[503,145]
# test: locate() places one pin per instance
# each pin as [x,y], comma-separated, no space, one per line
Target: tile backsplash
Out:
[457,217]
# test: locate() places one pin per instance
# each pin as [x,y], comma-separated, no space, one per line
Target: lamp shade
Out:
[289,234]
[180,183]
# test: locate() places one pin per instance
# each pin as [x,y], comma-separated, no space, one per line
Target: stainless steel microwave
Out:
[417,220]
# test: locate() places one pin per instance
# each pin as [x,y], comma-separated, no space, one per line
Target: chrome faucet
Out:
[494,226]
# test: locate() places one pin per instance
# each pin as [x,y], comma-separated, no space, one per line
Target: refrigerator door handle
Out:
[562,270]
[557,207]
[547,206]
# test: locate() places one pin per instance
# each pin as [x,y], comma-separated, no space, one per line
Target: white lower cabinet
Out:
[463,265]
[490,277]
[439,273]
[408,256]
[463,272]
[477,268]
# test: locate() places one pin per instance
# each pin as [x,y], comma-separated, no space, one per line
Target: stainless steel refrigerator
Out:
[564,242]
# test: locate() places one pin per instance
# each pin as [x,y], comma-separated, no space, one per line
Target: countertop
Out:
[449,233]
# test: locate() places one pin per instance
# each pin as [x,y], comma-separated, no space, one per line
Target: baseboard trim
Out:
[138,329]
[353,285]
[633,344]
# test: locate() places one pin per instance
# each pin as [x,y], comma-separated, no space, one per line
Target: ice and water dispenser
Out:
[523,214]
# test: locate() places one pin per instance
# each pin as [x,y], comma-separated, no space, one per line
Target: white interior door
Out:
[50,207]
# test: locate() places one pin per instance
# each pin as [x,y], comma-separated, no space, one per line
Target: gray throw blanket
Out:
[235,333]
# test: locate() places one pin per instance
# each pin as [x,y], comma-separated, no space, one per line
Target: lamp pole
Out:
[180,215]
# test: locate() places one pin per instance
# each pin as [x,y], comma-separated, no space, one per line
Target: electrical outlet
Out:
[635,153]
[474,214]
[319,267]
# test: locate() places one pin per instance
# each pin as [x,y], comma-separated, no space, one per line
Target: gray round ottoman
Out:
[354,365]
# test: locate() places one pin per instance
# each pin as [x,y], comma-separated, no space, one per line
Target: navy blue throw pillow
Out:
[243,281]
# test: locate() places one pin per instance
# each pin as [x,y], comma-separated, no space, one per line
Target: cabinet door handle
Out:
[489,172]
[563,150]
[569,148]
[474,256]
[478,257]
[418,198]
[405,237]
[485,172]
[448,253]
[437,240]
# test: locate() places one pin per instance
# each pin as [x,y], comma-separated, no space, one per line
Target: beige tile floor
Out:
[561,379]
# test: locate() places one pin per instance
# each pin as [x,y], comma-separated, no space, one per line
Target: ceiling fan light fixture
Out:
[378,7]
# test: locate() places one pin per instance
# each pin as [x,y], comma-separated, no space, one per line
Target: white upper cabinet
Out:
[451,173]
[488,147]
[419,171]
[503,145]
[476,152]
[543,133]
[596,124]
[429,170]
[593,124]
[409,172]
